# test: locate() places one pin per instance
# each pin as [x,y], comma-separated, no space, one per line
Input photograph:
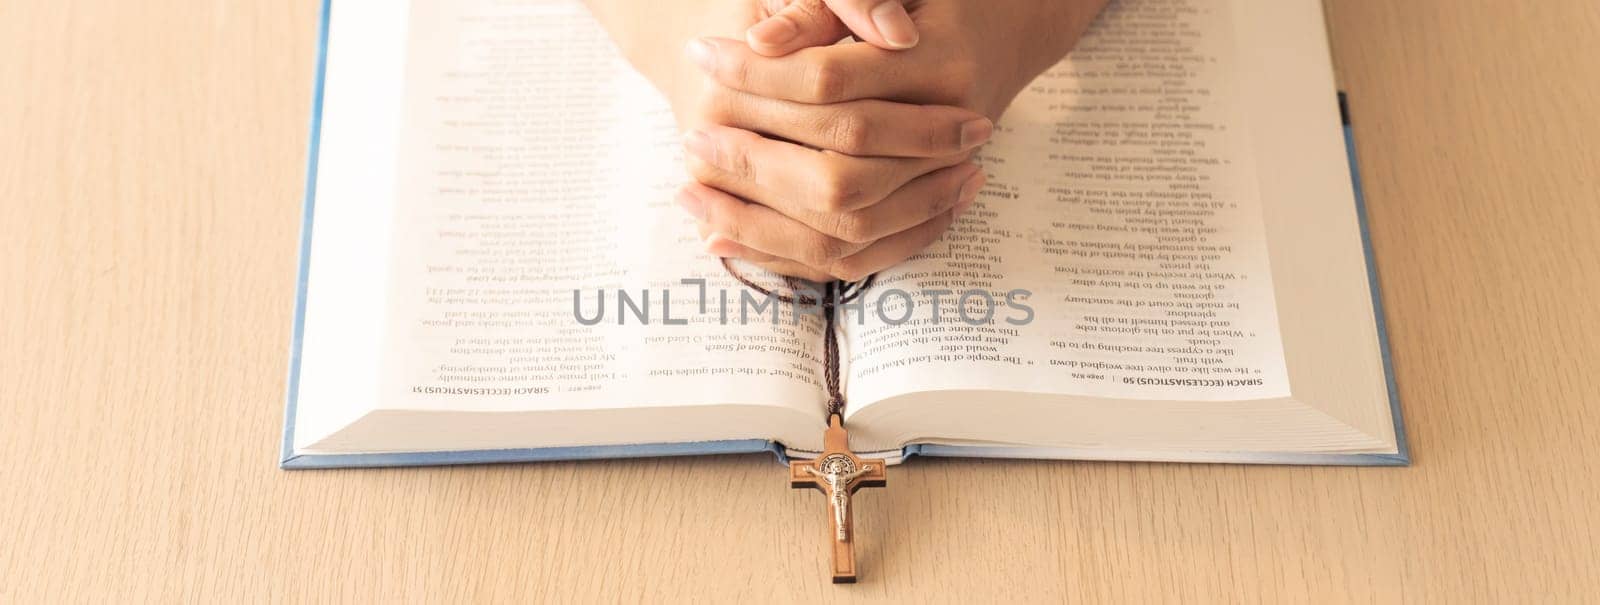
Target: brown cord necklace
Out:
[837,472]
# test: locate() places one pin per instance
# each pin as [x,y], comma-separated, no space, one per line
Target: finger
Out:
[881,23]
[891,250]
[722,247]
[794,179]
[800,24]
[852,267]
[816,74]
[773,173]
[869,127]
[921,200]
[761,228]
[783,266]
[874,258]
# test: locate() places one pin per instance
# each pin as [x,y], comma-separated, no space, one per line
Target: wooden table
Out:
[151,158]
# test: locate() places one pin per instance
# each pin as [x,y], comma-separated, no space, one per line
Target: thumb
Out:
[799,24]
[881,23]
[806,23]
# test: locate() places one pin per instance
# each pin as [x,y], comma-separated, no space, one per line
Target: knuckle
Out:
[837,191]
[940,134]
[854,227]
[848,132]
[811,10]
[736,157]
[825,82]
[823,250]
[934,139]
[734,69]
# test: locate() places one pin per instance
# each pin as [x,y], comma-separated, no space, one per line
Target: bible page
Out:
[1118,249]
[538,261]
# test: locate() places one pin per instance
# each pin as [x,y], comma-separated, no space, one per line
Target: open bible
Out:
[1168,262]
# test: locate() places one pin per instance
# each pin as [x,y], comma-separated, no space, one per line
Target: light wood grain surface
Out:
[151,158]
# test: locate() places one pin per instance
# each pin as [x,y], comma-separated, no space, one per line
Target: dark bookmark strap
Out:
[834,293]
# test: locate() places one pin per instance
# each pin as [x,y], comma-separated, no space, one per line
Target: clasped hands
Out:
[835,161]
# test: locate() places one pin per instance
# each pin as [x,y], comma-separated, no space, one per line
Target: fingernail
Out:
[772,32]
[962,208]
[720,246]
[701,145]
[691,204]
[969,193]
[970,187]
[894,24]
[976,132]
[703,54]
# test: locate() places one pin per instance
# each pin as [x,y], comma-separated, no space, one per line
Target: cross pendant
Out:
[838,473]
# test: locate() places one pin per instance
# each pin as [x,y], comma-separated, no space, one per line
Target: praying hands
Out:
[835,161]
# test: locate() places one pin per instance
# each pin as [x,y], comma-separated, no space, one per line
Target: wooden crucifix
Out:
[838,473]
